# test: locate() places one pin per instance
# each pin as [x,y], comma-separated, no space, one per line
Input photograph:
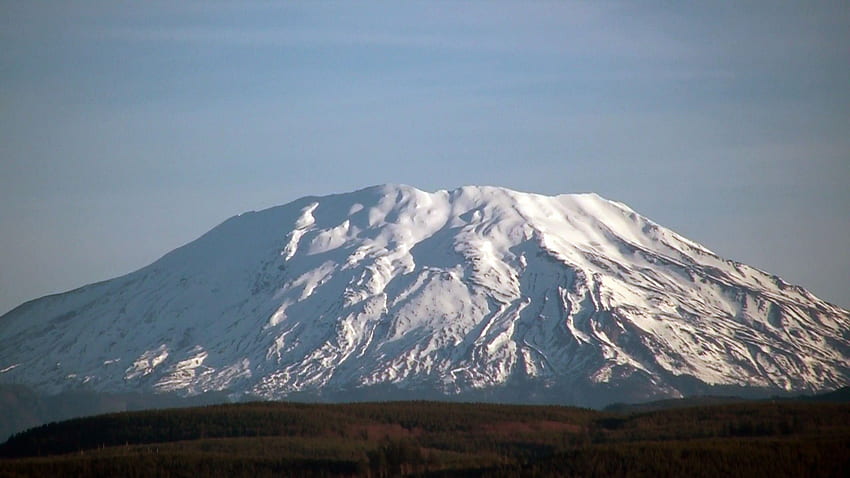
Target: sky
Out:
[130,128]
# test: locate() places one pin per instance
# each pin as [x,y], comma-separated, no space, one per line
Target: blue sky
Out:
[130,128]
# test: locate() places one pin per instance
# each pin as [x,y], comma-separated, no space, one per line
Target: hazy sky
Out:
[128,129]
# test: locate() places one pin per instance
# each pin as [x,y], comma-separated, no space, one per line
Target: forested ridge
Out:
[784,438]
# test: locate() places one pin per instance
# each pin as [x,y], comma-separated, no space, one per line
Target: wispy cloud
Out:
[571,28]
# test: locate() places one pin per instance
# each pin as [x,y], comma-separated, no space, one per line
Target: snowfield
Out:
[446,293]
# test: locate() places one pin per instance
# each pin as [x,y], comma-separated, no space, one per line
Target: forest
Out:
[779,438]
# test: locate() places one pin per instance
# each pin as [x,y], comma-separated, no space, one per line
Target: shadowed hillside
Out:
[440,439]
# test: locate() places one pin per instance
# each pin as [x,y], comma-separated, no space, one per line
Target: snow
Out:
[460,289]
[10,367]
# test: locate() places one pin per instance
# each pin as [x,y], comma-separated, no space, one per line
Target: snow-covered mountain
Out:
[480,291]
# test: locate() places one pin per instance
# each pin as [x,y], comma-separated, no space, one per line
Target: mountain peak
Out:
[478,290]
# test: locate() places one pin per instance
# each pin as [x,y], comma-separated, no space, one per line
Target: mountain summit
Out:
[395,292]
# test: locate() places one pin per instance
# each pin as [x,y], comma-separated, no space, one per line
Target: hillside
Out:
[440,439]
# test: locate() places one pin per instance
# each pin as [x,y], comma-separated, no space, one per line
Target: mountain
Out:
[480,292]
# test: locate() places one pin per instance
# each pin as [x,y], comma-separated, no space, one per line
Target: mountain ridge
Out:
[452,292]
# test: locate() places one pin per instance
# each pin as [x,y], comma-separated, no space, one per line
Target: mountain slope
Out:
[479,289]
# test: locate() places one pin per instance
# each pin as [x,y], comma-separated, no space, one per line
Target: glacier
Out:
[476,292]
